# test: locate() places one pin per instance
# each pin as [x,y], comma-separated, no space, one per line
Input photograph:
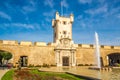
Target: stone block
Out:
[85,46]
[107,47]
[26,43]
[116,47]
[9,42]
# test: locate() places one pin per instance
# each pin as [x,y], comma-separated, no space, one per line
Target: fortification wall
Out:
[40,52]
[85,54]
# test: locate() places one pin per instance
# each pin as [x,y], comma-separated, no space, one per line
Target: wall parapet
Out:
[51,44]
[40,44]
[29,43]
[101,46]
[8,42]
[86,45]
[26,43]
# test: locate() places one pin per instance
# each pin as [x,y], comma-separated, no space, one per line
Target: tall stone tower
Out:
[65,51]
[62,27]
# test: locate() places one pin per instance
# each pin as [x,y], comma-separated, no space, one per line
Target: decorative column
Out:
[74,58]
[58,58]
[71,58]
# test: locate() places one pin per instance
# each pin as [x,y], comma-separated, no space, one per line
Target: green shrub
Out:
[80,64]
[38,66]
[53,65]
[45,65]
[86,64]
[31,65]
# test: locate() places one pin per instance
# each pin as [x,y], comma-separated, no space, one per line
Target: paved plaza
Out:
[84,71]
[2,72]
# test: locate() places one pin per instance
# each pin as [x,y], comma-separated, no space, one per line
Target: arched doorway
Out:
[114,59]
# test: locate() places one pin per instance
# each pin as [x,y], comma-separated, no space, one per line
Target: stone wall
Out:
[39,53]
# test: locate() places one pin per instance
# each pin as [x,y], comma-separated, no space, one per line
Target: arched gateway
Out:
[114,59]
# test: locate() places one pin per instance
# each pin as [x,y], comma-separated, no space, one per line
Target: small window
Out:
[64,32]
[64,22]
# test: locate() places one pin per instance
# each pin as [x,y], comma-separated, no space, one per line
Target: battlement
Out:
[51,44]
[28,43]
[8,42]
[40,44]
[93,46]
[22,43]
[70,18]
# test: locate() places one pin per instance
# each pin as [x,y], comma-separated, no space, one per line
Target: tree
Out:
[1,57]
[5,56]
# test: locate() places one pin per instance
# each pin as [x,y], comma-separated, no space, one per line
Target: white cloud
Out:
[22,25]
[85,1]
[99,10]
[64,4]
[49,3]
[5,16]
[49,15]
[30,7]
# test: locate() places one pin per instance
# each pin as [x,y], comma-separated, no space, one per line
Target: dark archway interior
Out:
[24,61]
[65,61]
[114,59]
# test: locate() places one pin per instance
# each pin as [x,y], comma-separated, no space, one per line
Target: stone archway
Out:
[114,59]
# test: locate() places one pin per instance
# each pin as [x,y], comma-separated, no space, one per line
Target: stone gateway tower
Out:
[65,52]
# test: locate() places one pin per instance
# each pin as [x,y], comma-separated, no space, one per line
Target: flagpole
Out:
[61,8]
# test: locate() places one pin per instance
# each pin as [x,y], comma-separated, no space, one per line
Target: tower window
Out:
[64,32]
[64,22]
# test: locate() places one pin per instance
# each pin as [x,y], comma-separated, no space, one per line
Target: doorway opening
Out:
[24,61]
[114,59]
[65,61]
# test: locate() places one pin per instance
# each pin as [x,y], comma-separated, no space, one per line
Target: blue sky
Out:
[30,20]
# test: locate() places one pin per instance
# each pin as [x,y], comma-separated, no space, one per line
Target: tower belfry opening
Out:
[65,51]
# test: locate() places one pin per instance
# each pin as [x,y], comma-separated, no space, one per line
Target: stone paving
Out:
[84,71]
[2,72]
